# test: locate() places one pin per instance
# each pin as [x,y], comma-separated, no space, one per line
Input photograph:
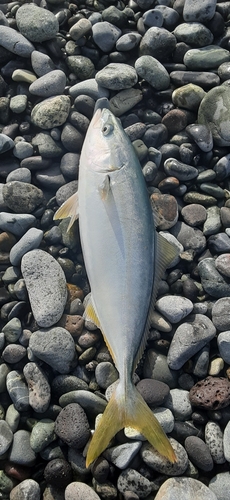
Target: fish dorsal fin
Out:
[91,314]
[164,254]
[70,209]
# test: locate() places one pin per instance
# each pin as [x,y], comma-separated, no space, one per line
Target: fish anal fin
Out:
[91,314]
[121,412]
[70,209]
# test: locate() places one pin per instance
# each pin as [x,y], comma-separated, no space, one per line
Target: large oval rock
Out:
[214,112]
[35,23]
[52,112]
[46,286]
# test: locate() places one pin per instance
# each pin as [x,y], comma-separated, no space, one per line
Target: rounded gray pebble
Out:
[105,35]
[199,453]
[174,308]
[13,353]
[221,314]
[46,286]
[220,484]
[17,224]
[12,330]
[26,490]
[50,84]
[20,174]
[185,488]
[35,23]
[39,388]
[18,103]
[21,452]
[105,374]
[41,63]
[117,76]
[22,197]
[42,435]
[179,403]
[151,70]
[15,42]
[80,491]
[29,241]
[223,341]
[18,390]
[6,437]
[55,346]
[122,455]
[161,464]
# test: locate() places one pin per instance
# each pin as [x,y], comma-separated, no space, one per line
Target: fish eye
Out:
[107,129]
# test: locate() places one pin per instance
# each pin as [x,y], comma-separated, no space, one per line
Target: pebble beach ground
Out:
[165,68]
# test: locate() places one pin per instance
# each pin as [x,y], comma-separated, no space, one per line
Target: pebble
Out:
[216,366]
[156,367]
[105,35]
[165,206]
[18,103]
[158,42]
[30,240]
[21,197]
[18,390]
[117,76]
[26,489]
[105,374]
[161,464]
[128,41]
[219,484]
[39,388]
[199,453]
[212,281]
[13,353]
[91,402]
[122,455]
[55,346]
[42,435]
[15,42]
[189,237]
[12,330]
[201,362]
[80,491]
[58,472]
[41,63]
[153,391]
[226,445]
[194,33]
[12,418]
[223,341]
[6,143]
[72,426]
[213,222]
[212,393]
[16,224]
[184,488]
[178,402]
[132,480]
[153,72]
[47,293]
[174,308]
[51,112]
[6,437]
[52,83]
[188,96]
[214,440]
[208,114]
[194,215]
[36,24]
[90,88]
[21,452]
[165,418]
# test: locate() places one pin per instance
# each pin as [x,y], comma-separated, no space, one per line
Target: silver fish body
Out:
[124,258]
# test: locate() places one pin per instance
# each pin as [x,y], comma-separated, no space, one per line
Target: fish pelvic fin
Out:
[123,412]
[70,209]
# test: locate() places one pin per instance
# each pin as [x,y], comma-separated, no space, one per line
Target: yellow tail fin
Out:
[122,412]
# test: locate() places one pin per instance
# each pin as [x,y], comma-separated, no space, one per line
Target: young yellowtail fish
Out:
[125,258]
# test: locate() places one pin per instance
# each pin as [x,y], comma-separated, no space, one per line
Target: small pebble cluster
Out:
[164,65]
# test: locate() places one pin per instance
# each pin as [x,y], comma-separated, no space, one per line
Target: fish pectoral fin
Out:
[69,208]
[123,411]
[91,314]
[104,188]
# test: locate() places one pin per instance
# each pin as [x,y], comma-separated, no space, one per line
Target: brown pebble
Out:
[17,471]
[88,339]
[166,209]
[211,393]
[7,241]
[175,121]
[73,323]
[74,292]
[168,184]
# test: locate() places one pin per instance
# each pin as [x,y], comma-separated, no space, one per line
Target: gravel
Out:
[165,68]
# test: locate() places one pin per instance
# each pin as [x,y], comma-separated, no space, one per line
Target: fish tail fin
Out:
[123,411]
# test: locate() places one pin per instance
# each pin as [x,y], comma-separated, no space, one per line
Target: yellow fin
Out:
[131,411]
[68,209]
[91,314]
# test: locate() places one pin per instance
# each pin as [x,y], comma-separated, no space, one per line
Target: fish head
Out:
[106,146]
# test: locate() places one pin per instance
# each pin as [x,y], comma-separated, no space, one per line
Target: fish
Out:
[125,258]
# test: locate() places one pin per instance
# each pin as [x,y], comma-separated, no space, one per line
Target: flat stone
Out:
[206,58]
[90,88]
[204,79]
[122,455]
[194,215]
[46,286]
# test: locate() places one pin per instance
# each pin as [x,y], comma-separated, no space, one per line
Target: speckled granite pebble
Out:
[55,346]
[80,491]
[39,388]
[214,440]
[160,464]
[47,293]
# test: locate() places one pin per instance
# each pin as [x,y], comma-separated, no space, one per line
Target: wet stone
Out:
[204,79]
[201,135]
[212,393]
